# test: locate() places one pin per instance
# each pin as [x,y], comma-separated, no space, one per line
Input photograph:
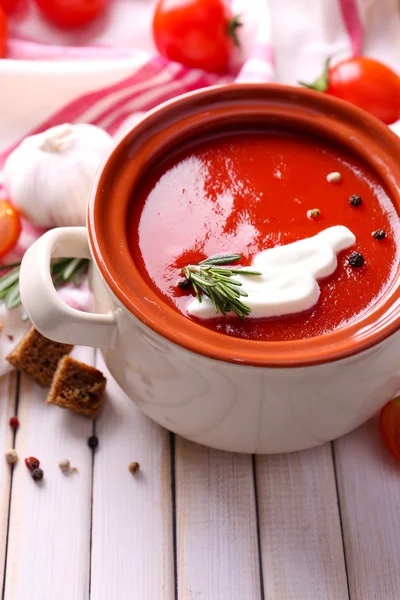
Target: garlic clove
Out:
[49,175]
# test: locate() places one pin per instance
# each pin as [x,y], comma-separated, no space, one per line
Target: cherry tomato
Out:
[10,227]
[365,82]
[9,5]
[196,33]
[389,426]
[71,13]
[3,34]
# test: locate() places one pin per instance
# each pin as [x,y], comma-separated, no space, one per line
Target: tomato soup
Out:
[245,192]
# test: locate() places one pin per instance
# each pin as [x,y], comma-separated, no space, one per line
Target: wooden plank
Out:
[301,544]
[49,536]
[369,491]
[7,410]
[217,549]
[132,550]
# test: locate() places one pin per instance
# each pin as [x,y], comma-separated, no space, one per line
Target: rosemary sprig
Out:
[62,270]
[213,279]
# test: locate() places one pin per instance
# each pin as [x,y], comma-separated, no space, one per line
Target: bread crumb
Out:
[78,387]
[38,356]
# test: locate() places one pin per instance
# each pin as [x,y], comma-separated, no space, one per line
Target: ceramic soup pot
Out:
[224,392]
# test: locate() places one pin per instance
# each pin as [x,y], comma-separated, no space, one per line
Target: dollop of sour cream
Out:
[290,274]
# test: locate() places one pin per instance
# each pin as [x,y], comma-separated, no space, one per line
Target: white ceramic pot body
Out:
[222,392]
[219,404]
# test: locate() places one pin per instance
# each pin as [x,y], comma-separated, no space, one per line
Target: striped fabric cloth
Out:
[109,73]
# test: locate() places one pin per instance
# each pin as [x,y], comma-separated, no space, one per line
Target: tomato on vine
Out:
[364,82]
[9,5]
[71,13]
[10,227]
[197,33]
[389,426]
[3,33]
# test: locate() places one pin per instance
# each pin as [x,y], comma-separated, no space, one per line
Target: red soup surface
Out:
[245,192]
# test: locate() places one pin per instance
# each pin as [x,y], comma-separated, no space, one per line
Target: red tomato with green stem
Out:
[71,13]
[3,33]
[389,426]
[197,33]
[364,82]
[10,227]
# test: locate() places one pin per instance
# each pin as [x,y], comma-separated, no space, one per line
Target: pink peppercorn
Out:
[32,463]
[14,422]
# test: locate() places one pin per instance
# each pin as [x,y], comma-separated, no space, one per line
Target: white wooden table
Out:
[194,524]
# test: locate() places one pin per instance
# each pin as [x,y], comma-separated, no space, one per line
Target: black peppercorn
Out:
[37,474]
[184,284]
[93,442]
[355,200]
[379,234]
[356,259]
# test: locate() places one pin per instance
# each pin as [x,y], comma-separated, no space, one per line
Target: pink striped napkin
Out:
[109,73]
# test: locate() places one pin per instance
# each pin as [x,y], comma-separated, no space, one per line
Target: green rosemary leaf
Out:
[221,259]
[10,266]
[13,298]
[228,279]
[60,262]
[70,268]
[215,305]
[8,279]
[245,272]
[6,291]
[197,291]
[77,276]
[220,271]
[209,278]
[202,281]
[57,266]
[242,293]
[59,280]
[62,270]
[225,290]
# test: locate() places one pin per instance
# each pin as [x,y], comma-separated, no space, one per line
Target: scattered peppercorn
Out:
[355,200]
[10,337]
[11,456]
[93,442]
[313,213]
[185,284]
[14,423]
[334,177]
[32,463]
[379,234]
[37,474]
[134,467]
[64,465]
[356,259]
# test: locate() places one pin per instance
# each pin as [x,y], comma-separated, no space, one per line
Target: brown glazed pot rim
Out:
[188,116]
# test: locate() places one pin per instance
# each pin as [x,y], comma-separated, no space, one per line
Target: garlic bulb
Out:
[48,176]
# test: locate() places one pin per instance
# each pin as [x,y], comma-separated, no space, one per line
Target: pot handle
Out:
[49,314]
